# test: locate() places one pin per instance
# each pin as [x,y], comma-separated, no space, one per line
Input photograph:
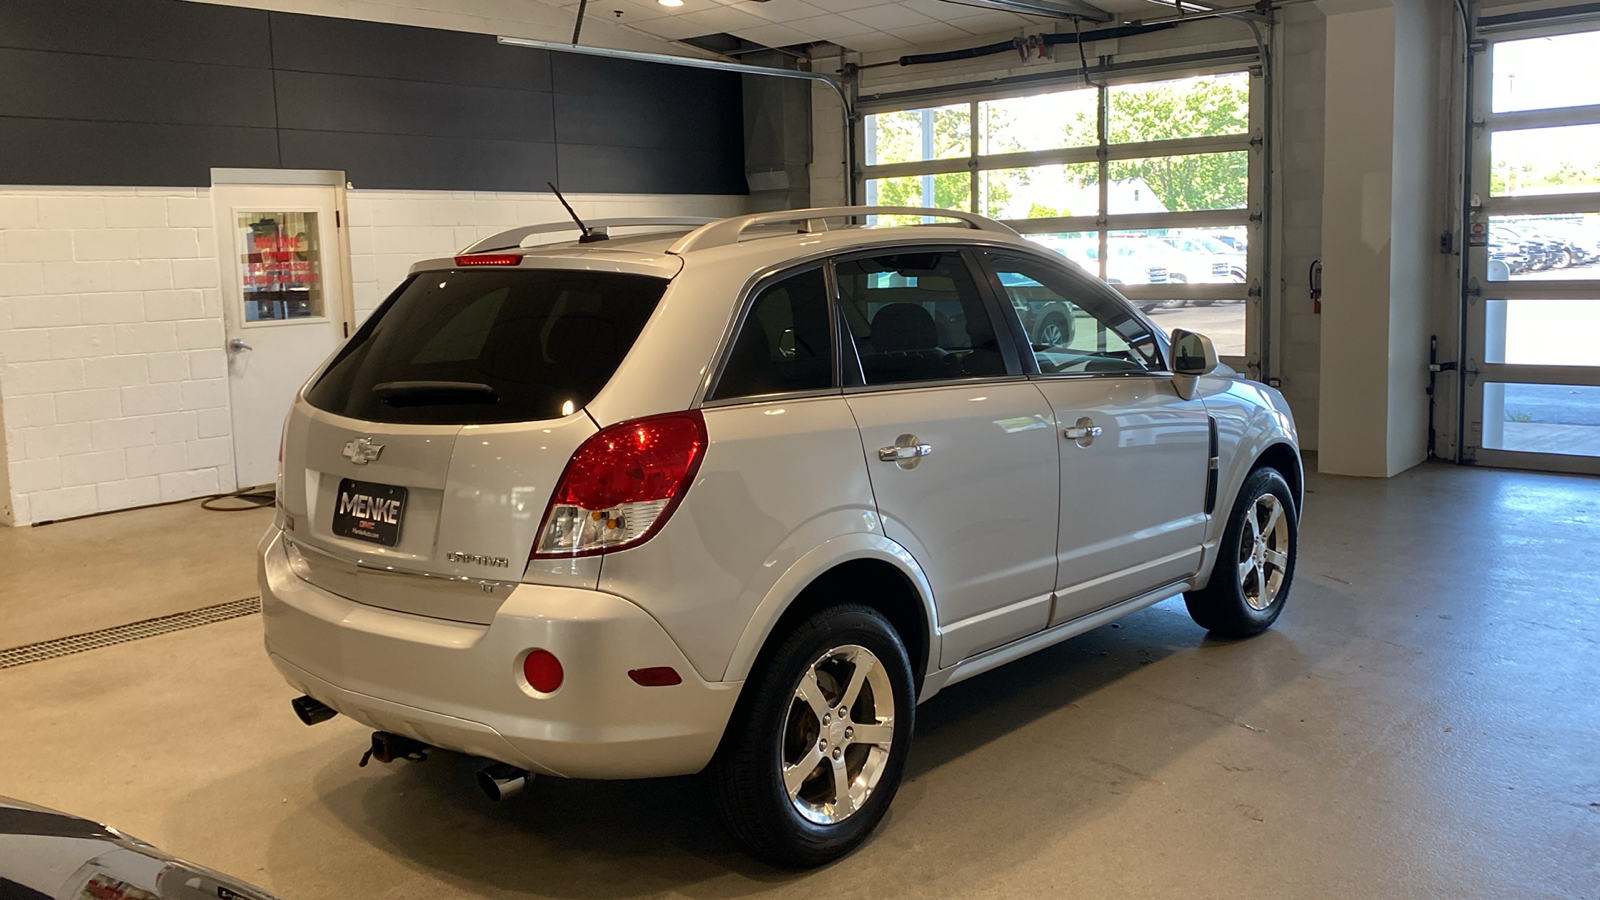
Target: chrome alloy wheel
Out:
[1052,334]
[1263,551]
[837,739]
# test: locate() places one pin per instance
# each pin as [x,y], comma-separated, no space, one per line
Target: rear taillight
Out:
[622,484]
[489,259]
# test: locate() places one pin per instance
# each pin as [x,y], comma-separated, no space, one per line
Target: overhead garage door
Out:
[1533,304]
[1149,182]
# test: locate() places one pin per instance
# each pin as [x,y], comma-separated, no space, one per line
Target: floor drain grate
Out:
[133,631]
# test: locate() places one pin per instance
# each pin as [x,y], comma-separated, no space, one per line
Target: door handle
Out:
[1084,432]
[905,452]
[237,344]
[900,454]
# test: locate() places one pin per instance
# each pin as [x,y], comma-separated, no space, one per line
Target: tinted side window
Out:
[1073,328]
[784,343]
[918,317]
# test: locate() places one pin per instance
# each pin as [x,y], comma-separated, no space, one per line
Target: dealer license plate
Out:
[369,512]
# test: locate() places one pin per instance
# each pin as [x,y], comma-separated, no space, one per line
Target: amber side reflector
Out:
[656,676]
[489,259]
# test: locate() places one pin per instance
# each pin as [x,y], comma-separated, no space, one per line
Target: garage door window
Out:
[1129,169]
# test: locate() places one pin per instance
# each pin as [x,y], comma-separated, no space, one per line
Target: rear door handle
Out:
[1084,432]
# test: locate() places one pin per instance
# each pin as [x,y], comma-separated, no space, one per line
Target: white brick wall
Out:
[113,380]
[390,230]
[100,342]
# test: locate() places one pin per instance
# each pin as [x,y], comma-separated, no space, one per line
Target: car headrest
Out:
[903,327]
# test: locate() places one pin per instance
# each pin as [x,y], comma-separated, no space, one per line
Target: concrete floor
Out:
[1424,721]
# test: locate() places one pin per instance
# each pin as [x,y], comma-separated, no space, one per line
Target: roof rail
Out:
[507,240]
[728,231]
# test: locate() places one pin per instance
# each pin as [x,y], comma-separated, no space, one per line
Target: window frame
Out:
[752,291]
[1005,334]
[1019,334]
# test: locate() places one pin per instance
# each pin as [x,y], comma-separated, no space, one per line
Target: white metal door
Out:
[1532,372]
[287,307]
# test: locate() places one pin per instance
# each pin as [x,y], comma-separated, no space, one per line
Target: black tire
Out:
[1062,325]
[1224,606]
[1203,302]
[746,775]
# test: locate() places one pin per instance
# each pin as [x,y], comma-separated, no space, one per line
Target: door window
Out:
[918,316]
[784,344]
[280,266]
[1072,327]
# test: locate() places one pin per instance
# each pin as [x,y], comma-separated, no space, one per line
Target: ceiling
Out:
[862,25]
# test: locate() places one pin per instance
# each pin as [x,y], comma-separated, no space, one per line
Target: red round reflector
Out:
[543,671]
[656,676]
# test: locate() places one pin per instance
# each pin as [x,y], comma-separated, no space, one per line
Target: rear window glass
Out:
[478,346]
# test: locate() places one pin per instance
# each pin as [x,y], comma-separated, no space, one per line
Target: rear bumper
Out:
[458,685]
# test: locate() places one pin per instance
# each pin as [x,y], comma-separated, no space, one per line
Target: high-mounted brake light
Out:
[621,485]
[489,259]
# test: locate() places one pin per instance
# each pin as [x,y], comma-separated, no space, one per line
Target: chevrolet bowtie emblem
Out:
[362,451]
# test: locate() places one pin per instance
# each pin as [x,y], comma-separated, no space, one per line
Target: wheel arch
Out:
[1283,457]
[866,569]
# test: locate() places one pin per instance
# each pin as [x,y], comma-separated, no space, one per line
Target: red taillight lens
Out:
[543,671]
[656,676]
[622,484]
[489,259]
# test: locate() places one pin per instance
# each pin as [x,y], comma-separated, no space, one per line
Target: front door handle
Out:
[906,452]
[237,344]
[1084,432]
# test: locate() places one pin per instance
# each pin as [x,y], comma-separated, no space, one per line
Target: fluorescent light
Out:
[1056,9]
[1188,4]
[673,3]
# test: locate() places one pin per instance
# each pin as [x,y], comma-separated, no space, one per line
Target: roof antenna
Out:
[589,235]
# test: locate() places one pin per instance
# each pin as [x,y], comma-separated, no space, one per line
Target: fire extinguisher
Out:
[1316,286]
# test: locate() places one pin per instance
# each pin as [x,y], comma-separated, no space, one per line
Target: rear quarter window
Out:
[480,346]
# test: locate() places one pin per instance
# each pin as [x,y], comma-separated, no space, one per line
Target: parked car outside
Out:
[736,500]
[1214,261]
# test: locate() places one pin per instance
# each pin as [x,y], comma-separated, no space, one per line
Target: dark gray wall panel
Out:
[118,89]
[602,169]
[60,151]
[349,47]
[405,162]
[158,92]
[620,103]
[143,29]
[317,102]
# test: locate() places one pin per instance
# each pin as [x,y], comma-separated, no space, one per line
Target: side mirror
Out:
[1193,355]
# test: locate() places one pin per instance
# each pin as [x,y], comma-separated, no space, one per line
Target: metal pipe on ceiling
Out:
[718,65]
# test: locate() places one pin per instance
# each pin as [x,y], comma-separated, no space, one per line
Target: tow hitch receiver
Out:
[388,747]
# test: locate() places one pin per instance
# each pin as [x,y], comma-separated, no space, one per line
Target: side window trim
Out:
[989,282]
[1000,313]
[746,306]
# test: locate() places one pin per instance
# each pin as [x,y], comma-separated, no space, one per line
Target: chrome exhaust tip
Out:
[312,711]
[500,781]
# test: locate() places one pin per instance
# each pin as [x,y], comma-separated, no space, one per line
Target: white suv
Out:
[737,498]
